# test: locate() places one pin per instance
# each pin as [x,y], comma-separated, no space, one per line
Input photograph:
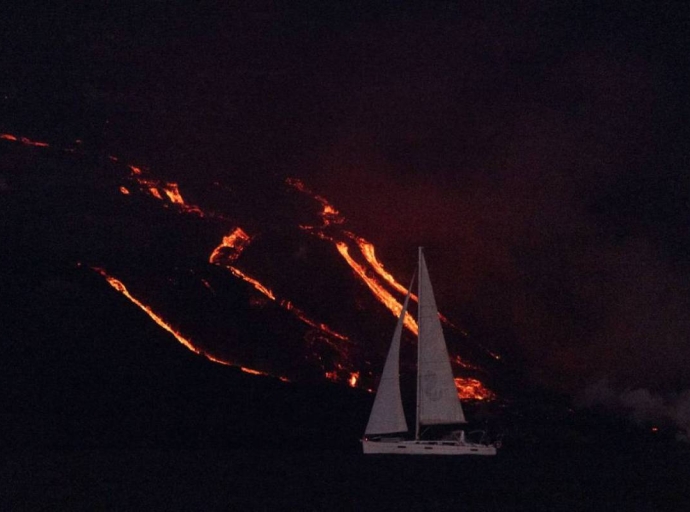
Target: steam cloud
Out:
[641,404]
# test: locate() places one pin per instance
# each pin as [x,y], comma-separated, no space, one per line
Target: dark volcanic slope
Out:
[89,370]
[93,366]
[253,276]
[83,366]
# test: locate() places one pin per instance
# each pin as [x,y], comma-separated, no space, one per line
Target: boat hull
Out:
[410,447]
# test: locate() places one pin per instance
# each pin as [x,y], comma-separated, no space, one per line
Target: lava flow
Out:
[468,388]
[369,252]
[472,389]
[120,287]
[229,251]
[379,291]
[159,189]
[329,216]
[356,252]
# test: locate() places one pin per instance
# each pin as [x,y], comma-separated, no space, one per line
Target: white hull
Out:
[410,447]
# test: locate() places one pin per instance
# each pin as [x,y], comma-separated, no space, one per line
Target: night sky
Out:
[538,151]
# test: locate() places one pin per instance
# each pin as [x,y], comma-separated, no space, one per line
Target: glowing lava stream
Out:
[330,215]
[120,287]
[468,388]
[369,253]
[379,291]
[229,251]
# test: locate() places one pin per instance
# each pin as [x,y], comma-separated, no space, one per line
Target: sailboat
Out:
[437,397]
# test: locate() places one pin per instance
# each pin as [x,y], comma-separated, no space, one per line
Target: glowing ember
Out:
[159,188]
[354,377]
[173,193]
[497,357]
[124,191]
[155,193]
[24,140]
[464,364]
[302,316]
[329,215]
[208,285]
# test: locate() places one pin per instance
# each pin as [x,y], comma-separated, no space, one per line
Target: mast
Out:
[419,340]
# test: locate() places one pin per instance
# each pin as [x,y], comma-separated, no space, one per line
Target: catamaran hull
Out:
[425,448]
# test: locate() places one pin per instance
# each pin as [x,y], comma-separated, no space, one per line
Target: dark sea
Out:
[557,478]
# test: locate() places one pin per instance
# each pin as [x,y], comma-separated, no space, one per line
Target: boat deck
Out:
[412,447]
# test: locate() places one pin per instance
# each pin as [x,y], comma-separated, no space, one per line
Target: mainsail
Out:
[387,415]
[437,396]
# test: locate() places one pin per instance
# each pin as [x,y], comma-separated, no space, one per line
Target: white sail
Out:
[387,416]
[437,396]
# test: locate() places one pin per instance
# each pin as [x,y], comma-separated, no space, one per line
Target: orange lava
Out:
[256,284]
[173,193]
[464,364]
[120,287]
[371,271]
[379,291]
[369,253]
[159,188]
[24,140]
[329,214]
[472,389]
[468,388]
[231,247]
[354,377]
[230,250]
[302,316]
[155,193]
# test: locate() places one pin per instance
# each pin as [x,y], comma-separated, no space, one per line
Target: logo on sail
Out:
[430,386]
